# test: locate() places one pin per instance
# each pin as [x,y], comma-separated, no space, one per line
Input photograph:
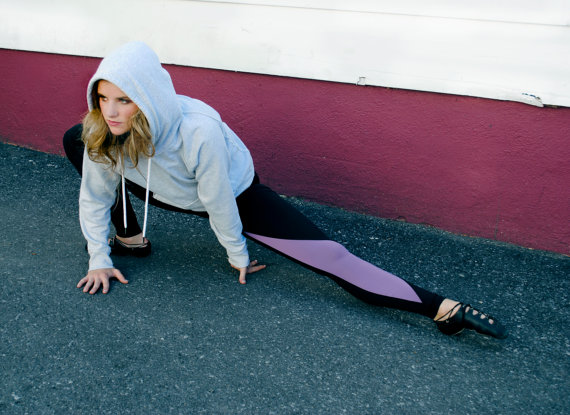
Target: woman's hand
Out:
[253,267]
[97,277]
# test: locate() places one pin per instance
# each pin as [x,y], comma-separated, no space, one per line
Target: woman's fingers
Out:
[105,285]
[82,281]
[96,285]
[96,279]
[88,284]
[117,274]
[242,273]
[253,267]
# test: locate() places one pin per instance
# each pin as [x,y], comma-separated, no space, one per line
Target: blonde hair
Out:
[104,147]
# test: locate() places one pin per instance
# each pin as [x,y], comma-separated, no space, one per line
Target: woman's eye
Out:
[125,101]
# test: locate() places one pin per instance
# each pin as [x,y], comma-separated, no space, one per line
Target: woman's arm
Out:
[96,197]
[211,159]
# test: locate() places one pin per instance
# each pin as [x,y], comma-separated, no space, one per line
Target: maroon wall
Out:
[474,166]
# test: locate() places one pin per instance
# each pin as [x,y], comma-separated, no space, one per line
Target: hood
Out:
[136,70]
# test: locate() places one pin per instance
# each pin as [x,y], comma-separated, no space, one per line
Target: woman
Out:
[175,152]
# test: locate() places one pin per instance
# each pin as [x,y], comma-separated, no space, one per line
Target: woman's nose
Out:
[110,110]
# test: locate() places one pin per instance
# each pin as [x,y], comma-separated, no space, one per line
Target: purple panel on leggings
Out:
[335,259]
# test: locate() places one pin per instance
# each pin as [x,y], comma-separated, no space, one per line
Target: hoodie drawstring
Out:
[146,197]
[145,201]
[124,199]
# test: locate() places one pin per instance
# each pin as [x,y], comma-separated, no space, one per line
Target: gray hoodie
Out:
[199,164]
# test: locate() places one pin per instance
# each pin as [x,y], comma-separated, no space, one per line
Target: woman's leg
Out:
[271,221]
[74,147]
[74,150]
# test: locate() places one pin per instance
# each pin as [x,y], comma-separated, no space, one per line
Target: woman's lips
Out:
[113,123]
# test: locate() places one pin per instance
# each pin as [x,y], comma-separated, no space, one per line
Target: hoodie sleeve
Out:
[216,194]
[96,197]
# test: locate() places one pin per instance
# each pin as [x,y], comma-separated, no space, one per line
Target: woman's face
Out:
[116,107]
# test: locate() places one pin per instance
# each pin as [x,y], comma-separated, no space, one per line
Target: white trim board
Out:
[501,50]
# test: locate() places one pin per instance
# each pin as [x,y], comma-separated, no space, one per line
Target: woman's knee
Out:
[73,146]
[74,133]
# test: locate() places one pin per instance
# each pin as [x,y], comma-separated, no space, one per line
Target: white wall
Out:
[504,49]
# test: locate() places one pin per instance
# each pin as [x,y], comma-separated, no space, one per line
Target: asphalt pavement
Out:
[184,337]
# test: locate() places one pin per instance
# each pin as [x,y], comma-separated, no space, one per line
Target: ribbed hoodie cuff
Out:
[98,261]
[239,261]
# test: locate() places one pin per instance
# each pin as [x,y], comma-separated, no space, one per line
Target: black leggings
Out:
[270,221]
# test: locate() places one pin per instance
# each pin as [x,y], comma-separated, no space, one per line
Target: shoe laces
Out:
[482,316]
